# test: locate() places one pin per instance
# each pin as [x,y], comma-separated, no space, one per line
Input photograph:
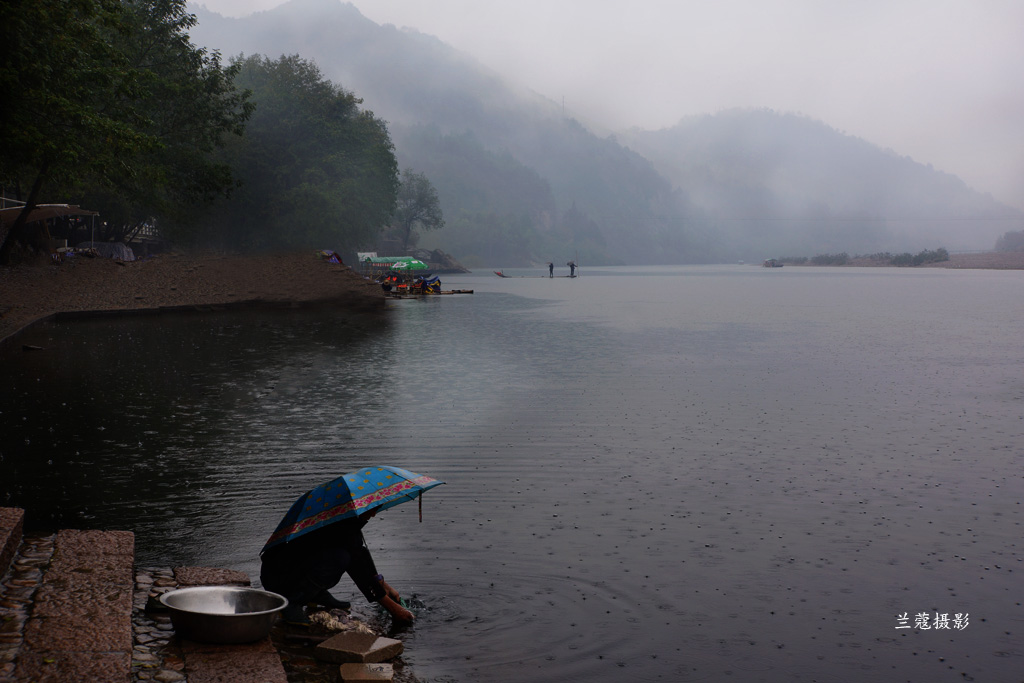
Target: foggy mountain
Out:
[799,182]
[522,182]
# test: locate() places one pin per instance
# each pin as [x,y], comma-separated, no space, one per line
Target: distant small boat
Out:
[772,263]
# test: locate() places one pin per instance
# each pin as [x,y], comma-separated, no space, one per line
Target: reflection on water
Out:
[653,474]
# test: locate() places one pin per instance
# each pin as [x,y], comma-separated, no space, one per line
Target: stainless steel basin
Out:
[223,614]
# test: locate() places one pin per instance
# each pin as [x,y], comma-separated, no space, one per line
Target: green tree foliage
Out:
[840,259]
[417,207]
[109,100]
[191,103]
[922,257]
[314,169]
[932,256]
[64,91]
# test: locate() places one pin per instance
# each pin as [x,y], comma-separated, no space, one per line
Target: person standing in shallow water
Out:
[572,268]
[305,569]
[551,269]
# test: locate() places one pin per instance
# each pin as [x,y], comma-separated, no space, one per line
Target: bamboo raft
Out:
[418,295]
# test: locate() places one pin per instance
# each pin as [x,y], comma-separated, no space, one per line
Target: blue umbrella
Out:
[349,496]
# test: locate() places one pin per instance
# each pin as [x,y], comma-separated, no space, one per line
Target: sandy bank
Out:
[31,292]
[989,260]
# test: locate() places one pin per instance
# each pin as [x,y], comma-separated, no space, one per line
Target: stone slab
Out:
[89,587]
[190,647]
[226,667]
[12,524]
[106,567]
[83,576]
[62,667]
[79,544]
[95,600]
[71,633]
[360,673]
[210,576]
[359,648]
[80,627]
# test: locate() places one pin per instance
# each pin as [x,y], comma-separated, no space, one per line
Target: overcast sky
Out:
[941,81]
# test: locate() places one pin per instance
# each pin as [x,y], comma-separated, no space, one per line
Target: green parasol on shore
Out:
[409,263]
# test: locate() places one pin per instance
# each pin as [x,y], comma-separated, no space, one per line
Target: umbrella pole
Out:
[421,507]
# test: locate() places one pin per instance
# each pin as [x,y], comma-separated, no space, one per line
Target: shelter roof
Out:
[44,211]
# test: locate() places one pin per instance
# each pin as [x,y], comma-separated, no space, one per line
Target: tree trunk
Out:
[7,240]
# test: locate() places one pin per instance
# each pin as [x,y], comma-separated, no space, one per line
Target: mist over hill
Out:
[521,181]
[798,181]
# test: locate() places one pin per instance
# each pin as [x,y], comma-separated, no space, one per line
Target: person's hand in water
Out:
[398,613]
[392,593]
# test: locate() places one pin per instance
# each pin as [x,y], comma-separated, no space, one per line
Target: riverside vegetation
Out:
[884,258]
[115,109]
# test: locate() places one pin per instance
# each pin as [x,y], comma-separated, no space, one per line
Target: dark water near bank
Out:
[654,474]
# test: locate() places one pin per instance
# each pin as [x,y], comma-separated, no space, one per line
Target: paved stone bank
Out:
[74,608]
[79,622]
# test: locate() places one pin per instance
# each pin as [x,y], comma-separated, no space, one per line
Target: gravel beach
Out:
[31,292]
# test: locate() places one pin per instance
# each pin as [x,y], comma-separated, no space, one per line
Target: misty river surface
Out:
[652,474]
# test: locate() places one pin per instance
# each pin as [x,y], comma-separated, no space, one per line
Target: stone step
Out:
[80,623]
[73,608]
[359,648]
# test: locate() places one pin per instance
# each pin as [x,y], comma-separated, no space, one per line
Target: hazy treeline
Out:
[114,108]
[521,181]
[1011,241]
[518,182]
[300,143]
[501,211]
[312,169]
[878,258]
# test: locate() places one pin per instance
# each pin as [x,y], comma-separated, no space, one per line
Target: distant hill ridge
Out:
[520,183]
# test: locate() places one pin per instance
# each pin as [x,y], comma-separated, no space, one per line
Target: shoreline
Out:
[182,281]
[988,260]
[84,286]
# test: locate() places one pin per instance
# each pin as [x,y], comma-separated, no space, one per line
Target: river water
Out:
[653,474]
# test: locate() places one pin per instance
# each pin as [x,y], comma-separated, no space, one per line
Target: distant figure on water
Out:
[551,269]
[572,268]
